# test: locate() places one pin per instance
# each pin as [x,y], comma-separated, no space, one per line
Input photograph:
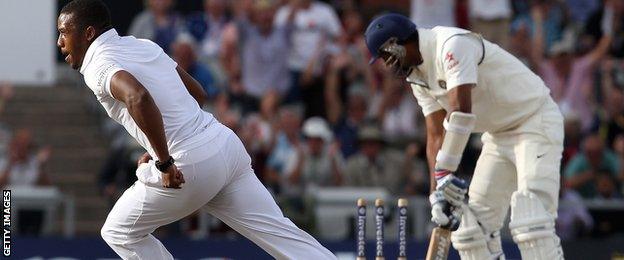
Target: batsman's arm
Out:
[435,135]
[458,126]
[460,98]
[193,87]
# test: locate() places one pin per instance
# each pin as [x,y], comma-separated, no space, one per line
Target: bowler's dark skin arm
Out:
[127,89]
[193,87]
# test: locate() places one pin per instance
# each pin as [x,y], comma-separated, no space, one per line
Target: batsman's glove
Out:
[454,189]
[443,213]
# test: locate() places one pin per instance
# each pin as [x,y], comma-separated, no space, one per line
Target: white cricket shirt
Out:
[506,91]
[432,13]
[186,125]
[311,26]
[489,9]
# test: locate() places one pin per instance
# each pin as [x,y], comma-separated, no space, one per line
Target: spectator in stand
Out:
[225,112]
[428,13]
[593,27]
[573,218]
[375,165]
[397,112]
[520,34]
[345,64]
[185,54]
[581,10]
[491,19]
[286,140]
[553,20]
[582,173]
[618,147]
[157,23]
[612,116]
[256,134]
[255,55]
[318,161]
[567,73]
[351,58]
[316,25]
[23,166]
[345,121]
[119,170]
[606,187]
[572,137]
[207,28]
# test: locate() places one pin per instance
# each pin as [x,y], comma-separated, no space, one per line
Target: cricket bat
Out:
[439,244]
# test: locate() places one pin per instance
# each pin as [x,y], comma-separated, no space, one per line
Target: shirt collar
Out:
[104,37]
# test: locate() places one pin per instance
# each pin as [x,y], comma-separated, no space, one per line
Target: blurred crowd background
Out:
[292,78]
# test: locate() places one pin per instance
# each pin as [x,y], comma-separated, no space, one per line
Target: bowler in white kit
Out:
[466,84]
[192,160]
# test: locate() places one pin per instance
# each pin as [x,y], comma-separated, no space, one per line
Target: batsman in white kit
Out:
[466,84]
[192,160]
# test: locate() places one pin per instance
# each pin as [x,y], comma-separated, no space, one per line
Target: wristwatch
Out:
[163,166]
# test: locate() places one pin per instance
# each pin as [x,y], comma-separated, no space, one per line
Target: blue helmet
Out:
[385,27]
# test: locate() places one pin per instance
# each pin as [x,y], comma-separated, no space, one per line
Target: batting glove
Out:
[442,213]
[454,189]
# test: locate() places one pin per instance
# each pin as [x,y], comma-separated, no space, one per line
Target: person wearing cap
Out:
[318,161]
[466,84]
[375,165]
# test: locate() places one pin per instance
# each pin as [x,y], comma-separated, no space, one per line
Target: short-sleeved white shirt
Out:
[506,91]
[186,125]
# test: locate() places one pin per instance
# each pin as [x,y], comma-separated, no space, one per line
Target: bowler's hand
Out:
[172,178]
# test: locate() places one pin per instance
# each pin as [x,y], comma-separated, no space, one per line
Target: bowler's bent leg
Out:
[245,205]
[145,207]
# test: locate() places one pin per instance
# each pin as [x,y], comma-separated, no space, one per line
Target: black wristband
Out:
[163,166]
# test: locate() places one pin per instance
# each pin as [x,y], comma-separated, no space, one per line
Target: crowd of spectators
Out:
[22,164]
[292,78]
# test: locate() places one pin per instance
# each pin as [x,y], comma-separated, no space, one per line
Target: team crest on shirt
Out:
[442,84]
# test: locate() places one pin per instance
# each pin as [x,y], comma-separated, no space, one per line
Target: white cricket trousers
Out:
[218,177]
[526,158]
